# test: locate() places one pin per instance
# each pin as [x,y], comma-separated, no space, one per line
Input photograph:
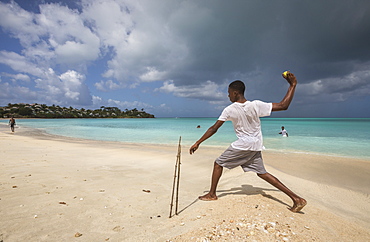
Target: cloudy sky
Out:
[175,58]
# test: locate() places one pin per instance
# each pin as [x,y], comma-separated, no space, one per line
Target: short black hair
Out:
[238,86]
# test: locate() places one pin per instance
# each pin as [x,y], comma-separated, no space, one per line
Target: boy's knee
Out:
[262,175]
[216,164]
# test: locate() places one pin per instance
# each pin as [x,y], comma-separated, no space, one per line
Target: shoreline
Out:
[96,188]
[275,159]
[222,147]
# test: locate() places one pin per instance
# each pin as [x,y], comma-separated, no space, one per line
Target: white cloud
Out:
[20,63]
[143,45]
[68,88]
[72,53]
[107,85]
[110,20]
[72,40]
[164,108]
[16,93]
[153,74]
[209,91]
[18,77]
[128,105]
[20,23]
[22,77]
[340,88]
[56,35]
[98,101]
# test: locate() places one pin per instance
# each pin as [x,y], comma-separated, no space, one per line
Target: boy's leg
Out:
[216,174]
[298,202]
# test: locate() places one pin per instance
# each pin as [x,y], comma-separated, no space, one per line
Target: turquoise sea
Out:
[329,136]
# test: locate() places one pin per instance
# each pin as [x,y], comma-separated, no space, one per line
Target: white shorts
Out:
[247,159]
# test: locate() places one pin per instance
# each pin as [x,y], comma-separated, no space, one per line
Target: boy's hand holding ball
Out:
[285,73]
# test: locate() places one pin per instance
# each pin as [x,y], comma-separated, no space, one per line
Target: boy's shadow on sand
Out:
[250,190]
[243,190]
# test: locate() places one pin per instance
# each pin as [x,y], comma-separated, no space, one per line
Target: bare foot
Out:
[208,197]
[297,206]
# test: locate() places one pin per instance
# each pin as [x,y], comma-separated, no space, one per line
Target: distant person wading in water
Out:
[12,124]
[246,150]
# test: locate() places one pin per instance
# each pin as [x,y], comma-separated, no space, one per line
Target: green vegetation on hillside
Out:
[21,110]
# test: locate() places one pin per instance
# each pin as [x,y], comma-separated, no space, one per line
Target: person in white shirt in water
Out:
[246,150]
[283,132]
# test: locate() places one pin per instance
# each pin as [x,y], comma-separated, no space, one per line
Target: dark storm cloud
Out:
[315,38]
[324,42]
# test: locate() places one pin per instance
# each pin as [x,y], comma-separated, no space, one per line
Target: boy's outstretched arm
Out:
[211,131]
[284,104]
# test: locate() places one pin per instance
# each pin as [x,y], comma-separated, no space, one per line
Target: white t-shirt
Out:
[247,125]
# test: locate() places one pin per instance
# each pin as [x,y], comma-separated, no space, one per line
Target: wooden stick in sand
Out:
[176,180]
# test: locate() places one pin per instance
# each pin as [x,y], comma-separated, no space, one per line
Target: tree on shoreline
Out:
[21,110]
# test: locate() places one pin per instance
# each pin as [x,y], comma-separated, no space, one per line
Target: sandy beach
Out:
[62,189]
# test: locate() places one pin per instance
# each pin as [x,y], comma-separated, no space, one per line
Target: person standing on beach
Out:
[12,124]
[283,132]
[246,150]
